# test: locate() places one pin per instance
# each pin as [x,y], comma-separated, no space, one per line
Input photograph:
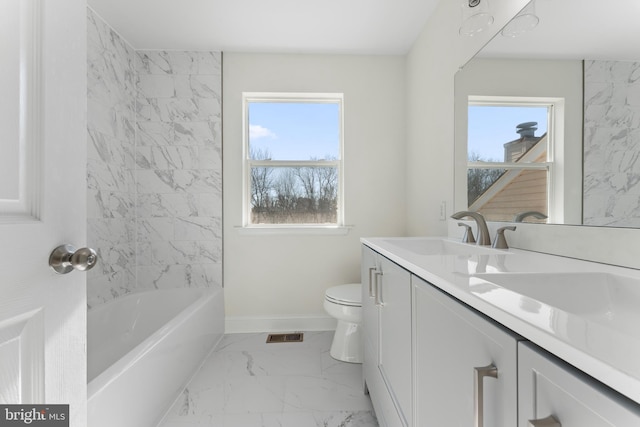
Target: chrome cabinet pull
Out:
[378,294]
[478,391]
[550,421]
[65,258]
[371,294]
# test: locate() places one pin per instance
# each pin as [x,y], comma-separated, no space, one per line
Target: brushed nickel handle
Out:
[378,294]
[65,258]
[500,241]
[478,392]
[371,294]
[468,233]
[550,421]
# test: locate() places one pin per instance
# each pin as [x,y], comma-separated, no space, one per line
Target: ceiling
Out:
[274,26]
[576,29]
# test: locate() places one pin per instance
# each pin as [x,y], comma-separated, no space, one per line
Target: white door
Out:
[42,202]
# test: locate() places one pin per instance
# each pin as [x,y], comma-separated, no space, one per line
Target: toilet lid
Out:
[350,295]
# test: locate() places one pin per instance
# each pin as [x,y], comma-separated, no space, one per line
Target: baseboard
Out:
[234,325]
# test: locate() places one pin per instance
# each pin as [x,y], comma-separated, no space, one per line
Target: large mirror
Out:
[548,122]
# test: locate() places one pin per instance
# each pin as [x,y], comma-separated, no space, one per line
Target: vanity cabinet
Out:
[386,303]
[432,360]
[549,387]
[465,365]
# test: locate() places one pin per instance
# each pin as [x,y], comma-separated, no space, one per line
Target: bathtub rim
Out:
[113,372]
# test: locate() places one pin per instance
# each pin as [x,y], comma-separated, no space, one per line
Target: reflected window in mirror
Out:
[510,152]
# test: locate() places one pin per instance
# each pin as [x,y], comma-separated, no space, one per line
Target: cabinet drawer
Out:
[547,386]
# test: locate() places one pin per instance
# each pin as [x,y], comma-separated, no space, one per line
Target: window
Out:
[510,152]
[293,160]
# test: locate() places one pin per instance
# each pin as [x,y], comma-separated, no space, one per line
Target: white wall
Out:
[391,190]
[277,282]
[431,65]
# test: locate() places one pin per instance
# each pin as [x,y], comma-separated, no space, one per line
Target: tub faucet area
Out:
[483,231]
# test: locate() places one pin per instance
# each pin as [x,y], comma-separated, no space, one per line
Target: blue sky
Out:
[491,127]
[295,130]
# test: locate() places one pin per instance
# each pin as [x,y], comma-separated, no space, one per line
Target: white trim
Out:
[329,98]
[293,229]
[516,101]
[554,145]
[251,324]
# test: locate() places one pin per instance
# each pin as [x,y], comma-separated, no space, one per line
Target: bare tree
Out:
[304,194]
[328,180]
[479,180]
[286,193]
[261,181]
[308,178]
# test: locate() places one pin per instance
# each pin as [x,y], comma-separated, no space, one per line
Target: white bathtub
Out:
[143,348]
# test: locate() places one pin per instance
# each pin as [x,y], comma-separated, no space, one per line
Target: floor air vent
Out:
[296,337]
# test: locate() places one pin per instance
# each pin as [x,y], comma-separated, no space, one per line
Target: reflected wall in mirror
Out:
[585,74]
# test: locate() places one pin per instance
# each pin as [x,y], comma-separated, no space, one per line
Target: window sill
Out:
[302,230]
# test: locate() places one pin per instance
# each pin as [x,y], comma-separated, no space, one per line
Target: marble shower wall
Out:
[179,169]
[111,118]
[154,166]
[611,192]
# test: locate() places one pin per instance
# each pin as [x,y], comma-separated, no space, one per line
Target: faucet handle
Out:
[468,233]
[500,242]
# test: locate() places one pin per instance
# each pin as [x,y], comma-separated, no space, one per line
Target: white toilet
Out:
[344,302]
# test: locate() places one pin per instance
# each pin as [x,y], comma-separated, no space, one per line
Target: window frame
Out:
[248,163]
[555,138]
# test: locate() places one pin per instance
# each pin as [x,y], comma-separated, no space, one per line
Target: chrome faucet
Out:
[483,231]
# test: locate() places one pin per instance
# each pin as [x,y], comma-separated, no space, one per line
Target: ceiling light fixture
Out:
[524,22]
[476,17]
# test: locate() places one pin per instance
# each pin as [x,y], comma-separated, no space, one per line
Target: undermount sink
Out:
[434,246]
[608,299]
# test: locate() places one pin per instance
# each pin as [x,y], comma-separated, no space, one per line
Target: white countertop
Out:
[611,354]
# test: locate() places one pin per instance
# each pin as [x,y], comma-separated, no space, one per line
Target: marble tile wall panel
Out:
[611,190]
[178,169]
[154,166]
[110,162]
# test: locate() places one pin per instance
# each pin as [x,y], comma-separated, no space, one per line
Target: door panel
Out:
[43,314]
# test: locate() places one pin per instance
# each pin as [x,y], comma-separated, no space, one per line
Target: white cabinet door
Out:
[394,297]
[42,202]
[548,387]
[371,337]
[451,341]
[370,267]
[386,302]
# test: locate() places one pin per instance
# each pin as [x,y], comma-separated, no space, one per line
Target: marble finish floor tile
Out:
[247,382]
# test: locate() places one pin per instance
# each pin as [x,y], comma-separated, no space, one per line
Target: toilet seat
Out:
[348,295]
